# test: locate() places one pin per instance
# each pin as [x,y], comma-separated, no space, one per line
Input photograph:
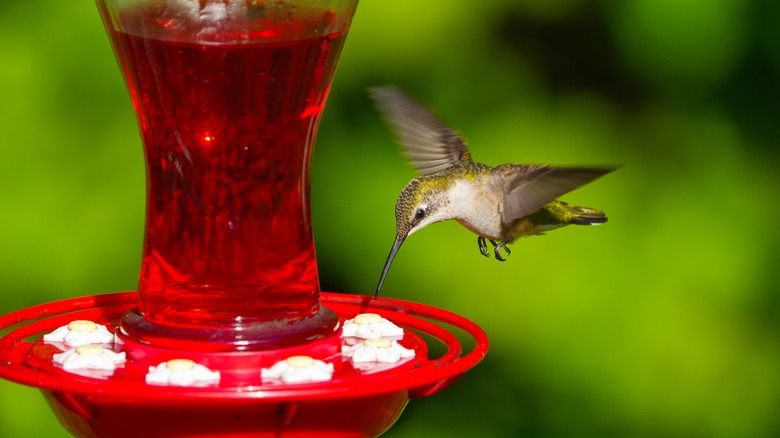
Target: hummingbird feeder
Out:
[229,333]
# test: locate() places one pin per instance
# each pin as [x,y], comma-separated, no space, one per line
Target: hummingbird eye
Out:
[419,214]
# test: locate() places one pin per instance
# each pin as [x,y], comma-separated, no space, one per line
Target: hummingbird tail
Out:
[585,216]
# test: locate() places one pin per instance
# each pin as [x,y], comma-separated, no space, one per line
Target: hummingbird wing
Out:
[429,144]
[527,187]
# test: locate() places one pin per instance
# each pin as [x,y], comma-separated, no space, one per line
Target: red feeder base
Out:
[357,402]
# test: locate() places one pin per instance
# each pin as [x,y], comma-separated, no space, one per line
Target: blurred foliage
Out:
[663,322]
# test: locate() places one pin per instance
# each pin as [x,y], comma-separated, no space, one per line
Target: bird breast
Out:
[476,208]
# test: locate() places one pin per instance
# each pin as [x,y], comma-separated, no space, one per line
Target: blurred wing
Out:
[528,188]
[429,144]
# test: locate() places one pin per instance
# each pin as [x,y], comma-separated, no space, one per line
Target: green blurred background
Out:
[664,322]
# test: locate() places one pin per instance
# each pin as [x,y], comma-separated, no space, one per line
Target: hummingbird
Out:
[499,204]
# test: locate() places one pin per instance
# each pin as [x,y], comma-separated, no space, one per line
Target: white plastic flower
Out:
[377,350]
[89,356]
[80,332]
[371,326]
[181,372]
[299,369]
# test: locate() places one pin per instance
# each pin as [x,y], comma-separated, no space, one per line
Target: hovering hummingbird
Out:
[499,204]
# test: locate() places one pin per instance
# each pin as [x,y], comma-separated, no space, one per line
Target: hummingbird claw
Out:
[498,248]
[482,246]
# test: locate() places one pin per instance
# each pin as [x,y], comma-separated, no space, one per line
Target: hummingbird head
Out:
[422,202]
[419,205]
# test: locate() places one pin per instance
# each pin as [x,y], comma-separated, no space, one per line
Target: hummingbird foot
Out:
[498,248]
[483,246]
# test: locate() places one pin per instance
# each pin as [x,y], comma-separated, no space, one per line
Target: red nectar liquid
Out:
[228,115]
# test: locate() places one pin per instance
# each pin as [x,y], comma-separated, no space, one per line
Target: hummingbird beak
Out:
[399,240]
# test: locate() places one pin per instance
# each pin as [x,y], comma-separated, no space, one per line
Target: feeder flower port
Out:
[89,356]
[377,350]
[80,332]
[299,369]
[371,326]
[182,372]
